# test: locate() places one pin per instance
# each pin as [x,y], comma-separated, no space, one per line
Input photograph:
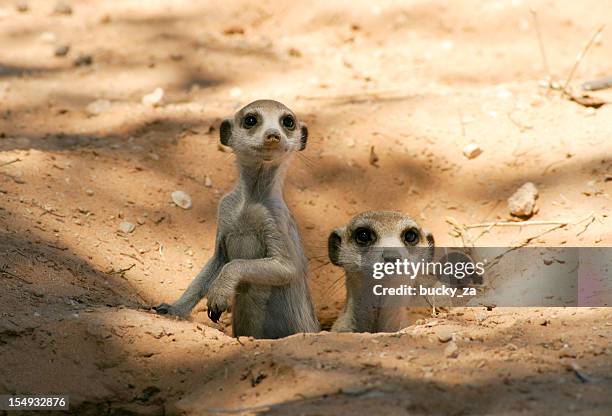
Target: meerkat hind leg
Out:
[343,324]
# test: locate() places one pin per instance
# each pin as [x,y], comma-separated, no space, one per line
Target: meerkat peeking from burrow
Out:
[376,236]
[258,265]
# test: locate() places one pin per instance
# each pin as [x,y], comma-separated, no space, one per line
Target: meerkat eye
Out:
[288,122]
[411,236]
[249,121]
[364,236]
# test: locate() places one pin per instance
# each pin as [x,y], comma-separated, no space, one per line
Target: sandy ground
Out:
[417,80]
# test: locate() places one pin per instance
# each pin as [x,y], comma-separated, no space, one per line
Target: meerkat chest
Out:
[240,246]
[245,237]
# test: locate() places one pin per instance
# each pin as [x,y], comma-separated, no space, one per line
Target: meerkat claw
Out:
[214,315]
[162,308]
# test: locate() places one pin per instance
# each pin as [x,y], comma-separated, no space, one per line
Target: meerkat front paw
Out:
[219,297]
[167,309]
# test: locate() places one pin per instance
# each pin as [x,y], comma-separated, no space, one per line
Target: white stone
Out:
[126,227]
[452,350]
[445,335]
[472,150]
[47,37]
[154,99]
[181,199]
[97,107]
[522,202]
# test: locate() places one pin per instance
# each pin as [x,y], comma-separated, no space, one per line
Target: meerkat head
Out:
[264,130]
[385,233]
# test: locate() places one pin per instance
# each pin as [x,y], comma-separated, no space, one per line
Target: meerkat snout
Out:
[272,137]
[264,130]
[390,255]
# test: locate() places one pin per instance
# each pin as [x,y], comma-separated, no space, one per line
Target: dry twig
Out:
[580,57]
[10,162]
[121,271]
[522,223]
[513,224]
[536,24]
[586,226]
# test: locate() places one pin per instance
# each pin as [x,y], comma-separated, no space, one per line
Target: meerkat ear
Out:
[429,238]
[431,245]
[303,135]
[225,131]
[333,246]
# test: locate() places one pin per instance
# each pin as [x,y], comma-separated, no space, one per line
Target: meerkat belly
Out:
[244,246]
[259,310]
[273,312]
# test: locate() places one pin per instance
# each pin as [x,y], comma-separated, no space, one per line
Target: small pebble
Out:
[126,227]
[294,52]
[62,50]
[208,182]
[22,6]
[445,335]
[452,350]
[472,150]
[480,316]
[89,192]
[47,37]
[83,60]
[234,30]
[97,107]
[522,202]
[181,199]
[153,99]
[373,159]
[62,8]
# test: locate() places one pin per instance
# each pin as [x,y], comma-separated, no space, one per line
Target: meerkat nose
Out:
[391,255]
[272,136]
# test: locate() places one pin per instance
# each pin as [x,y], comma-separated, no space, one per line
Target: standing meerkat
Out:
[258,264]
[372,236]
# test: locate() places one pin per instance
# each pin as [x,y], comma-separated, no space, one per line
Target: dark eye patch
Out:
[364,236]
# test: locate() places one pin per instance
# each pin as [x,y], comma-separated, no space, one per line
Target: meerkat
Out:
[258,264]
[371,236]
